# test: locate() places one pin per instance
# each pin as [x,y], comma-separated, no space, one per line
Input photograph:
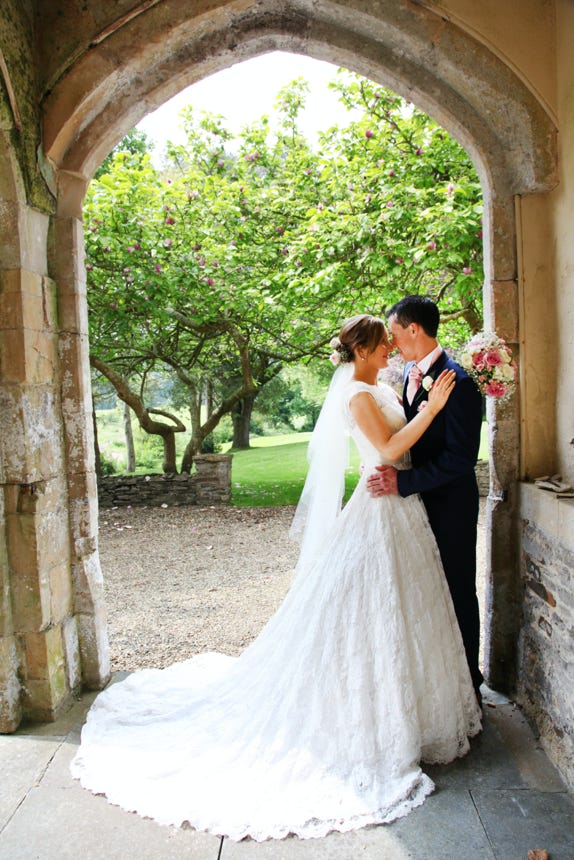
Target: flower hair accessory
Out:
[488,360]
[341,352]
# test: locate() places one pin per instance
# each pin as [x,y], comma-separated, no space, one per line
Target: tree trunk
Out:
[97,451]
[130,449]
[147,423]
[241,417]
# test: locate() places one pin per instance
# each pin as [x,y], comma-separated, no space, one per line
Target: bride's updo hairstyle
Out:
[364,331]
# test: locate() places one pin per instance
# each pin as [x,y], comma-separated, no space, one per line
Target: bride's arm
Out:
[372,422]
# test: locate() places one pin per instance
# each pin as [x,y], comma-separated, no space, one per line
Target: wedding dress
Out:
[322,722]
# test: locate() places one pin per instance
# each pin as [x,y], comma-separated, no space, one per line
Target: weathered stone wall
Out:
[546,659]
[210,484]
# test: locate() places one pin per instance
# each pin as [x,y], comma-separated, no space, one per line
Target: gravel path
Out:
[183,580]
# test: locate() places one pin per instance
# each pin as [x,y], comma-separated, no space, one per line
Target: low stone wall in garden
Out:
[210,484]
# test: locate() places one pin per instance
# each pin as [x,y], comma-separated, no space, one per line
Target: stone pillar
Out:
[36,583]
[501,312]
[66,257]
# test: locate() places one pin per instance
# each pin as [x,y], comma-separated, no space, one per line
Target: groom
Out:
[443,460]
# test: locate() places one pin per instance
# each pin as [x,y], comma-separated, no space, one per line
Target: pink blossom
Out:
[210,282]
[419,151]
[493,358]
[391,172]
[170,220]
[158,267]
[89,267]
[168,242]
[467,270]
[431,246]
[368,133]
[478,360]
[399,260]
[495,389]
[335,358]
[450,189]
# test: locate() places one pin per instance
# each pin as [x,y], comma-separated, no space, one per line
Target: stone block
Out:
[84,523]
[88,584]
[68,269]
[30,433]
[61,597]
[34,240]
[44,654]
[46,688]
[94,649]
[28,356]
[73,312]
[72,653]
[10,688]
[504,300]
[21,300]
[75,378]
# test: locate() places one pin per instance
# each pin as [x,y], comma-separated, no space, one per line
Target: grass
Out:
[270,473]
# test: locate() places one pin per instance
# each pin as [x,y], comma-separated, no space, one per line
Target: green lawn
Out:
[272,472]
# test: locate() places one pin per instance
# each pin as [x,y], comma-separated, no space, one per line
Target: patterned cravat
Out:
[415,379]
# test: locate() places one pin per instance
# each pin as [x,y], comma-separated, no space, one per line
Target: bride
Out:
[321,724]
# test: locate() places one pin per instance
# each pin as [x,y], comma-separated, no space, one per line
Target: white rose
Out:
[507,372]
[427,383]
[466,360]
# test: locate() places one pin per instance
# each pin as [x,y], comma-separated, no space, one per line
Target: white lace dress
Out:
[321,723]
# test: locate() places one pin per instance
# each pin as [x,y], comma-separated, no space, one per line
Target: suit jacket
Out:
[444,458]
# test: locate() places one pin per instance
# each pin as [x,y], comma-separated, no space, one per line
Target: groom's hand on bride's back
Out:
[383,482]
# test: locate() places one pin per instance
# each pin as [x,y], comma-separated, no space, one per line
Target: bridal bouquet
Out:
[488,360]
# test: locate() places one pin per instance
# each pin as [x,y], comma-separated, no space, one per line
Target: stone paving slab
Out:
[445,827]
[517,821]
[24,760]
[59,820]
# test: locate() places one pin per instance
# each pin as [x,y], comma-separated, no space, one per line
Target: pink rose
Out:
[493,358]
[478,360]
[495,389]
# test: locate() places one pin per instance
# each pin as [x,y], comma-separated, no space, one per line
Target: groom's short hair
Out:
[416,309]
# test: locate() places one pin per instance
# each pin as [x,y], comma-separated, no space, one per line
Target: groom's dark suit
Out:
[443,462]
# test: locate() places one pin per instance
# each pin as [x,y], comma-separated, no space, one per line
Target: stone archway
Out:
[143,59]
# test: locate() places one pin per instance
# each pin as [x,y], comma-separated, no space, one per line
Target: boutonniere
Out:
[427,383]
